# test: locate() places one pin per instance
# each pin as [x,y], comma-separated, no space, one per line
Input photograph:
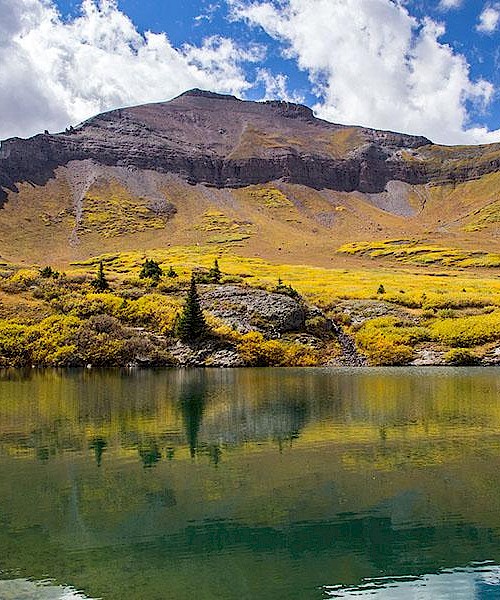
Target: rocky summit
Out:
[221,141]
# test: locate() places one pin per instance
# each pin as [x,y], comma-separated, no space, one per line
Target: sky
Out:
[426,67]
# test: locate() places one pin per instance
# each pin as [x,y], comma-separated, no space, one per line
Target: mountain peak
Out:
[197,92]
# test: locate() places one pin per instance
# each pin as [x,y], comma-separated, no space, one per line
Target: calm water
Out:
[262,484]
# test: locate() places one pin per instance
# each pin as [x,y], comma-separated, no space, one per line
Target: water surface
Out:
[250,484]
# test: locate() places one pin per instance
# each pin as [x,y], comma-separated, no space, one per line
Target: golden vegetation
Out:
[223,229]
[445,311]
[416,252]
[256,351]
[112,211]
[484,217]
[389,341]
[270,197]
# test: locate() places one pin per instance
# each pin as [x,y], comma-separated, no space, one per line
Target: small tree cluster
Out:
[49,273]
[212,275]
[285,289]
[151,270]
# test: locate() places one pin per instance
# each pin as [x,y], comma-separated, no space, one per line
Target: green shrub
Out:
[461,357]
[151,270]
[287,290]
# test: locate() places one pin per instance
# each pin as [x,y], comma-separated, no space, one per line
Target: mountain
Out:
[267,178]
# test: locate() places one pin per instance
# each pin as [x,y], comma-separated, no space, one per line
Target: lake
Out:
[257,484]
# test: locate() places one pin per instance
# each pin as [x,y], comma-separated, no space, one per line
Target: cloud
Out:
[276,87]
[450,4]
[374,64]
[489,18]
[55,72]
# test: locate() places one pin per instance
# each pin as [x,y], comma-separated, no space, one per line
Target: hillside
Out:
[267,179]
[337,245]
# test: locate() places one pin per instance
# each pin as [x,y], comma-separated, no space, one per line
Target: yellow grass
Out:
[319,285]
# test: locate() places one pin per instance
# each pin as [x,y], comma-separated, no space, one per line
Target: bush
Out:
[256,351]
[13,344]
[51,342]
[153,310]
[48,272]
[461,357]
[287,290]
[87,305]
[62,340]
[388,341]
[466,332]
[48,290]
[20,280]
[151,270]
[319,326]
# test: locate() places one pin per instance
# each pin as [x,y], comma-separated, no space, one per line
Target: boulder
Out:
[250,309]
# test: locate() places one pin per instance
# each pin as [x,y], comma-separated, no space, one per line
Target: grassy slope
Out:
[280,222]
[330,246]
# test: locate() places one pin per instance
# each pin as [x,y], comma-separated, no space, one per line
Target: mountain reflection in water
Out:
[254,483]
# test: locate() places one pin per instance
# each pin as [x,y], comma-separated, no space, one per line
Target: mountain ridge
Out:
[262,178]
[241,144]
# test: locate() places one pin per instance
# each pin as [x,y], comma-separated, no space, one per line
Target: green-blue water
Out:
[250,484]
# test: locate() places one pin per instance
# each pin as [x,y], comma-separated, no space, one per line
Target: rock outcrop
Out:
[251,309]
[221,141]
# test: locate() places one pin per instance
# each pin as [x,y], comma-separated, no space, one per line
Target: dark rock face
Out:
[221,141]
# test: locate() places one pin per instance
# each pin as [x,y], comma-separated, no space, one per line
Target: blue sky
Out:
[428,67]
[178,18]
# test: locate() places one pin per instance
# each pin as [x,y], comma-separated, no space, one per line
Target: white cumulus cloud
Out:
[449,4]
[55,72]
[489,18]
[372,63]
[276,87]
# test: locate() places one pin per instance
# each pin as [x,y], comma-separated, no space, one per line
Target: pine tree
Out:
[171,272]
[100,283]
[191,324]
[151,270]
[215,274]
[46,272]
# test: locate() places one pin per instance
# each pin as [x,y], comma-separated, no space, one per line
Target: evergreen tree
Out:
[100,283]
[215,274]
[288,290]
[191,324]
[46,272]
[171,272]
[151,270]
